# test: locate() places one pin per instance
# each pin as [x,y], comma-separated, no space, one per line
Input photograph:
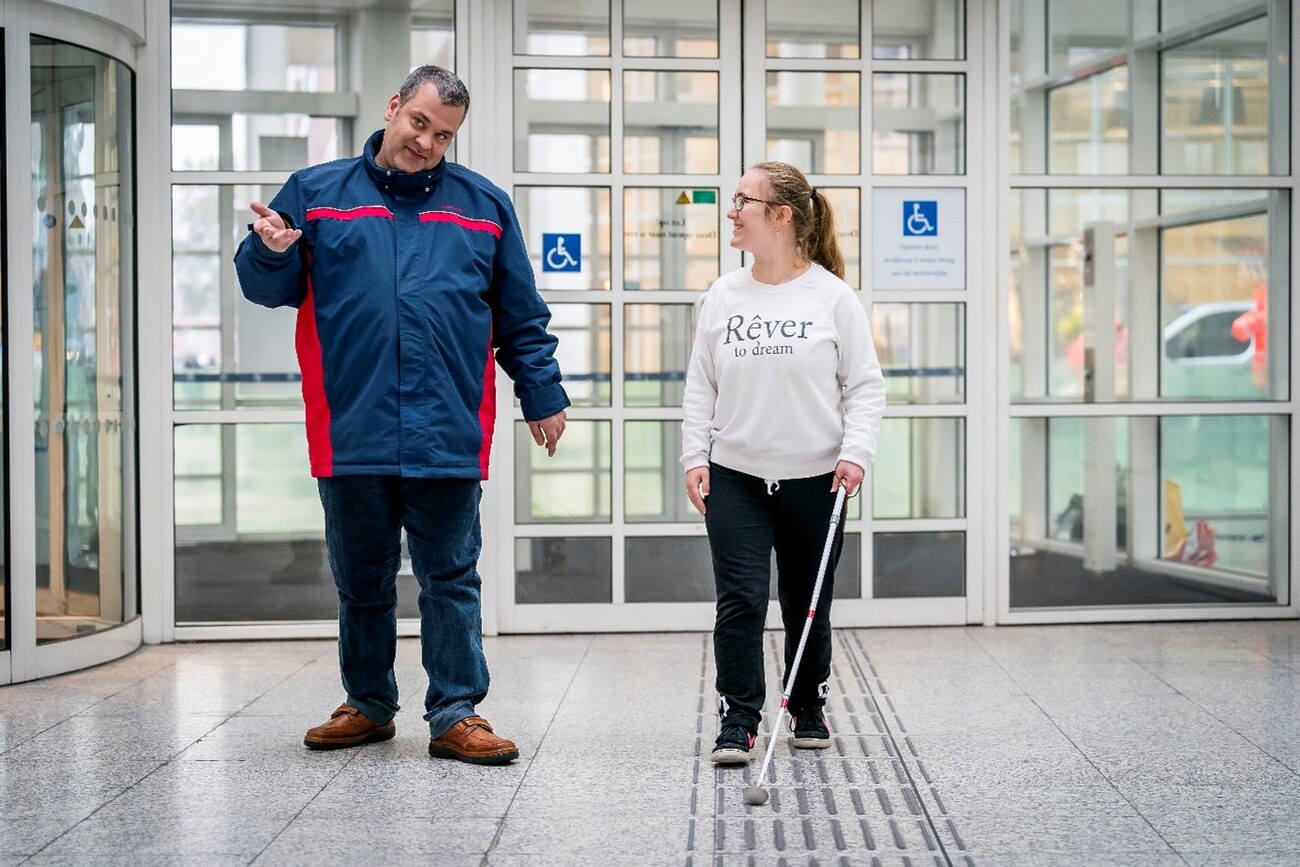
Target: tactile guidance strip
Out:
[867,800]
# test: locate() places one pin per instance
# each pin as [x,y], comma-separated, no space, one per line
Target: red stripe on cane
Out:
[783,702]
[812,612]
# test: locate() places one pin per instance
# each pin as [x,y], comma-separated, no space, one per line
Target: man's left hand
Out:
[548,431]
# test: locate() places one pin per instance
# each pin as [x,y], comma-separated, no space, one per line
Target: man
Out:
[408,272]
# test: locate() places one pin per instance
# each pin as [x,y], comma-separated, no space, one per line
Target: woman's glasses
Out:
[739,200]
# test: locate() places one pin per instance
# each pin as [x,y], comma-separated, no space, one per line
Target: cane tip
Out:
[755,796]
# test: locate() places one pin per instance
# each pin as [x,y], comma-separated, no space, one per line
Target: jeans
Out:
[746,519]
[364,516]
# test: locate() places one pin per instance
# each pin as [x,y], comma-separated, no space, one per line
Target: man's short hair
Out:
[451,90]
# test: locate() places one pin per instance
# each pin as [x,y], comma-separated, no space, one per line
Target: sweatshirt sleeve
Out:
[861,381]
[269,278]
[525,349]
[699,397]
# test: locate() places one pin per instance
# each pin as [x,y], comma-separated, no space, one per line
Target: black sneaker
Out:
[733,745]
[810,732]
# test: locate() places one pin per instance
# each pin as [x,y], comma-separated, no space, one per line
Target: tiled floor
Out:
[1077,745]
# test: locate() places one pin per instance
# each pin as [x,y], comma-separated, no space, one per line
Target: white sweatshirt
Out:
[783,381]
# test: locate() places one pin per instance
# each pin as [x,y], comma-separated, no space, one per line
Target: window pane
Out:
[1070,211]
[196,147]
[656,350]
[670,122]
[671,239]
[255,142]
[433,34]
[1215,102]
[670,28]
[260,557]
[1081,30]
[919,31]
[566,28]
[83,282]
[912,565]
[1175,13]
[1184,201]
[813,120]
[226,352]
[1143,510]
[256,57]
[584,351]
[572,486]
[925,474]
[197,451]
[690,578]
[554,570]
[1217,499]
[653,478]
[922,349]
[1215,310]
[831,32]
[919,124]
[562,120]
[581,211]
[1088,123]
[846,206]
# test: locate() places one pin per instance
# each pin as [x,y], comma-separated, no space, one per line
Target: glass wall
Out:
[1151,297]
[4,381]
[83,286]
[249,533]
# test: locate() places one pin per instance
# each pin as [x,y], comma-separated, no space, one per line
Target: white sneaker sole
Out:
[810,743]
[730,757]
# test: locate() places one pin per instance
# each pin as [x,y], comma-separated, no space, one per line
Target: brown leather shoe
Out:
[472,740]
[347,727]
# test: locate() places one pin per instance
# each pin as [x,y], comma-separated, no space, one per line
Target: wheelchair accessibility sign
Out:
[920,218]
[561,252]
[918,238]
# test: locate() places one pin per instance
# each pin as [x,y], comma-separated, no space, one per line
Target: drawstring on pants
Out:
[773,485]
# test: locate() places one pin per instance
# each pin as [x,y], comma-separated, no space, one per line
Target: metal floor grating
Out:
[867,800]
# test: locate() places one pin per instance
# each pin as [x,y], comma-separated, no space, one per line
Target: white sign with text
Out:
[918,239]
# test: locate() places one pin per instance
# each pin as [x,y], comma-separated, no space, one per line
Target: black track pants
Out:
[748,517]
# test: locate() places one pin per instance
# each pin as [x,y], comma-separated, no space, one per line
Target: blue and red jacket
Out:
[405,285]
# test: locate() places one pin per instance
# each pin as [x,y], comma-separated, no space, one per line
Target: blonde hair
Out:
[812,219]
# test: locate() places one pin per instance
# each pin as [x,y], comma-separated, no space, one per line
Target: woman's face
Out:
[754,224]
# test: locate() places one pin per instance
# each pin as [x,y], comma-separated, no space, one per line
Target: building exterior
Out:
[1072,221]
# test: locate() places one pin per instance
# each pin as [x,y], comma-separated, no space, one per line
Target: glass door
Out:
[631,126]
[5,604]
[623,142]
[82,284]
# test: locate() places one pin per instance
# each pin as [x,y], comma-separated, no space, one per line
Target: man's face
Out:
[418,132]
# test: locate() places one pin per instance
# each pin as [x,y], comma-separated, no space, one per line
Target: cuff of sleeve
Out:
[856,458]
[265,252]
[543,402]
[690,462]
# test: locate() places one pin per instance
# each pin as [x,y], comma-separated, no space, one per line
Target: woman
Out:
[783,402]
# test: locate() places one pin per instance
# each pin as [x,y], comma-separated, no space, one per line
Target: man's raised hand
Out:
[270,227]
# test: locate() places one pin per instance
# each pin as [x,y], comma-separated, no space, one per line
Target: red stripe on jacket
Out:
[487,411]
[320,450]
[464,222]
[348,213]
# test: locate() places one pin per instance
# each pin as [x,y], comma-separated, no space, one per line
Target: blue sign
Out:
[561,252]
[920,218]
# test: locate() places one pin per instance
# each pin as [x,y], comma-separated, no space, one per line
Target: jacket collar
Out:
[394,180]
